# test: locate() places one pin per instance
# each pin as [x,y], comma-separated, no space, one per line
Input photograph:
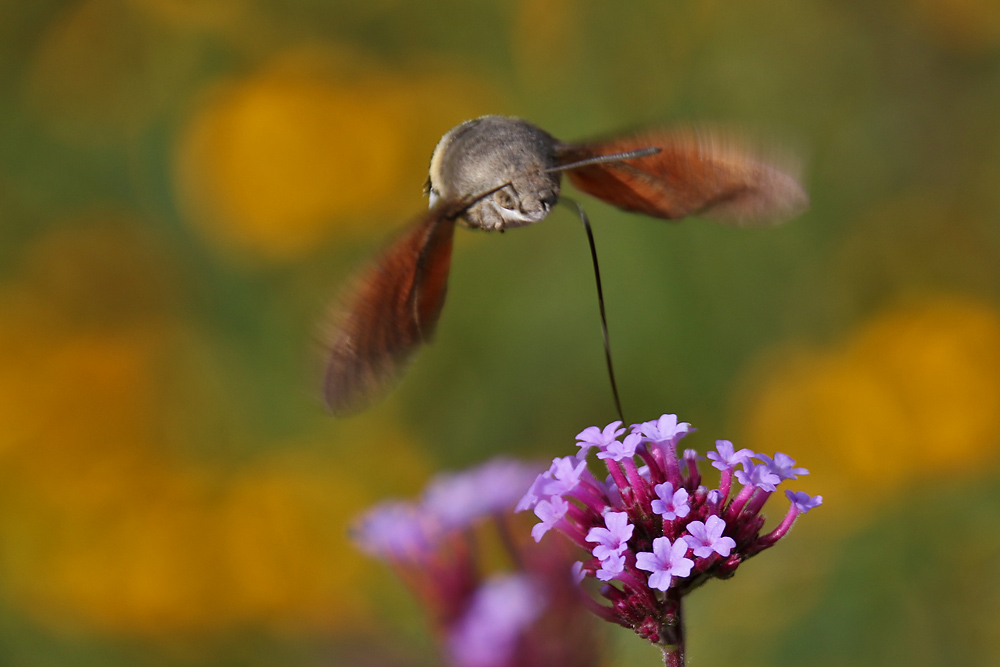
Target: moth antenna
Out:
[601,159]
[600,292]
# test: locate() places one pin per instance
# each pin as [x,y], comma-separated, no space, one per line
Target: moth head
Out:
[524,201]
[501,167]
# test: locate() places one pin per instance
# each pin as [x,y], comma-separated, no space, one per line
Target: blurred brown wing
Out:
[389,311]
[696,172]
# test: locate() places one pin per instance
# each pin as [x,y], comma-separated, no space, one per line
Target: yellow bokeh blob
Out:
[913,394]
[269,165]
[107,522]
[943,360]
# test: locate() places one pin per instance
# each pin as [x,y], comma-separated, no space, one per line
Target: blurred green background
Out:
[184,184]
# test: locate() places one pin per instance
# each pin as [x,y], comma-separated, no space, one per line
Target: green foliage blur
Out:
[184,185]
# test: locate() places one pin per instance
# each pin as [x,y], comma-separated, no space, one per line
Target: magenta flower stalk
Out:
[654,532]
[532,615]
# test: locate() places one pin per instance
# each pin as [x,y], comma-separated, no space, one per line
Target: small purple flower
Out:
[713,500]
[550,511]
[611,491]
[500,612]
[726,458]
[564,476]
[613,539]
[394,531]
[759,475]
[501,481]
[691,458]
[663,430]
[704,538]
[577,573]
[616,451]
[458,499]
[665,562]
[802,501]
[595,437]
[781,465]
[533,494]
[611,567]
[670,504]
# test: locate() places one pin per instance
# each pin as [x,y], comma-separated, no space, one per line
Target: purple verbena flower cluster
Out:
[653,530]
[499,619]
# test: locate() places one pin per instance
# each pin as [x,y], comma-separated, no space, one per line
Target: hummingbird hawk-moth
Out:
[497,172]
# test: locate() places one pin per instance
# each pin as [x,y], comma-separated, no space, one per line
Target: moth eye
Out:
[503,198]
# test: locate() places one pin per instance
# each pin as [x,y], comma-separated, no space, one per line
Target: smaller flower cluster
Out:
[651,526]
[484,621]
